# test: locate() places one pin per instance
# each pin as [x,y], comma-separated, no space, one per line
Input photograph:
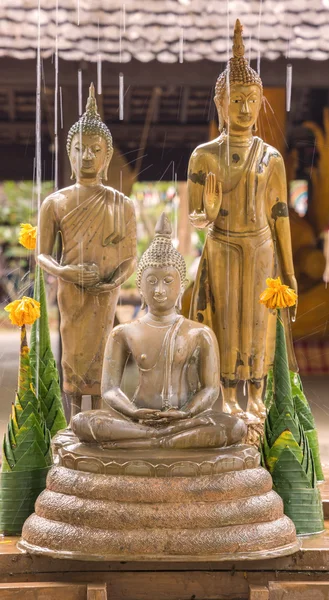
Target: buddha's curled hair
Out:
[161,252]
[238,70]
[90,123]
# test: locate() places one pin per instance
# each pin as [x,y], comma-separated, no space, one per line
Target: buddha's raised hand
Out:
[212,197]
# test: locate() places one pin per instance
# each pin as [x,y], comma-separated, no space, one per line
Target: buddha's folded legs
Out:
[107,426]
[208,429]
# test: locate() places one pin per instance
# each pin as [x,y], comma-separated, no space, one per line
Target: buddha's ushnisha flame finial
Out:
[238,46]
[163,227]
[161,252]
[91,106]
[238,71]
[90,123]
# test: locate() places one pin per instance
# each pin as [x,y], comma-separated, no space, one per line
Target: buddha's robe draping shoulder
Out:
[100,229]
[239,254]
[97,226]
[101,213]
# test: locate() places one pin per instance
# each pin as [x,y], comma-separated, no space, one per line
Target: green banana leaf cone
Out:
[290,448]
[304,415]
[269,391]
[26,453]
[45,375]
[18,493]
[306,419]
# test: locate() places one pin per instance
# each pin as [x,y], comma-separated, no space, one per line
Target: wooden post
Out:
[213,130]
[40,591]
[258,592]
[272,119]
[70,116]
[184,227]
[97,591]
[298,590]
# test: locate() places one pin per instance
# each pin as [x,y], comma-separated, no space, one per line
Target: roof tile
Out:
[153,29]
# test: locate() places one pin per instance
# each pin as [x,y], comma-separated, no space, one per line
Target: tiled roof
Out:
[165,30]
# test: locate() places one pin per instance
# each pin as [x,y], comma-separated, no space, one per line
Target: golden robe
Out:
[100,230]
[238,256]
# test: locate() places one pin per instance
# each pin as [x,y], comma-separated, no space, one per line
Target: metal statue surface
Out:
[98,231]
[237,187]
[164,474]
[178,367]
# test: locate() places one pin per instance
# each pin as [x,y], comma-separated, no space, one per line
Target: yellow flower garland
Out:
[28,236]
[277,295]
[24,311]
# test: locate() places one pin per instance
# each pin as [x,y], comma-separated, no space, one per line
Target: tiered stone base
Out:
[101,504]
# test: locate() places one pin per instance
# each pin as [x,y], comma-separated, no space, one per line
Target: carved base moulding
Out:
[100,504]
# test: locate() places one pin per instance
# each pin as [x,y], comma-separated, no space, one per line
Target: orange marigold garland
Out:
[277,295]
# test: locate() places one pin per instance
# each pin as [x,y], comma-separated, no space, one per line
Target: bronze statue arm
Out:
[123,272]
[280,222]
[115,358]
[204,193]
[120,275]
[128,262]
[208,375]
[47,231]
[128,256]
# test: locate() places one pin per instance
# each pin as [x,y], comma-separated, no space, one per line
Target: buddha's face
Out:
[88,156]
[241,108]
[160,287]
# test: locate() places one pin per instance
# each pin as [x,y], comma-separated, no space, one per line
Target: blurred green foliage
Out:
[18,201]
[18,204]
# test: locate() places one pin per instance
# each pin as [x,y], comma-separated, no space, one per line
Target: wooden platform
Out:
[177,580]
[302,576]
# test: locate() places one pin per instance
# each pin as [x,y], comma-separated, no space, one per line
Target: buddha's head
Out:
[161,273]
[239,90]
[89,144]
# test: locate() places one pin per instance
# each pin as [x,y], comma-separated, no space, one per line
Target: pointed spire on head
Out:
[238,45]
[91,106]
[161,252]
[90,123]
[238,71]
[163,227]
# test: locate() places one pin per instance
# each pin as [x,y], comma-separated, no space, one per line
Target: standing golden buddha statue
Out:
[237,187]
[98,229]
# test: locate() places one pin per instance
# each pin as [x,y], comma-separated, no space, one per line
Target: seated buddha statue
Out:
[165,452]
[178,364]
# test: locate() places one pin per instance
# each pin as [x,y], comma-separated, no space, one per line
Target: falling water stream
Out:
[180,58]
[58,99]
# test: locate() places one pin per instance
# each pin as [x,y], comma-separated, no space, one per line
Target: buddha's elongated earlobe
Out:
[143,303]
[178,304]
[183,287]
[221,121]
[106,166]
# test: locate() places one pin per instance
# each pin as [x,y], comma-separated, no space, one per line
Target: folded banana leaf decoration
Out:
[26,453]
[37,412]
[289,440]
[304,414]
[45,375]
